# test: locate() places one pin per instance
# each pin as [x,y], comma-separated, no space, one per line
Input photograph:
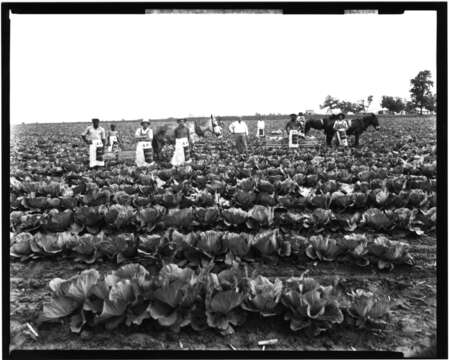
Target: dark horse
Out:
[356,126]
[165,134]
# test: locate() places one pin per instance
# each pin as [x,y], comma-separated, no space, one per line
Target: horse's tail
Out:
[307,127]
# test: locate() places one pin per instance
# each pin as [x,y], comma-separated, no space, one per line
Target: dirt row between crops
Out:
[412,327]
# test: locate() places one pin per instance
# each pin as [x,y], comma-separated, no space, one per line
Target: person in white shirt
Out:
[113,139]
[240,131]
[216,128]
[302,123]
[341,127]
[95,136]
[260,128]
[144,148]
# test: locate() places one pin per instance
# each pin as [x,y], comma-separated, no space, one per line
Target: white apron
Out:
[178,156]
[96,153]
[142,148]
[343,139]
[293,139]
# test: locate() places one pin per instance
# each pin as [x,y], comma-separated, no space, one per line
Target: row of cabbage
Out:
[202,247]
[186,195]
[223,178]
[176,298]
[118,217]
[326,163]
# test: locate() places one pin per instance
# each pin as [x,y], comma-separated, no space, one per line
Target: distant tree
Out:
[347,106]
[359,107]
[369,100]
[430,103]
[363,105]
[393,104]
[330,103]
[344,106]
[421,89]
[410,107]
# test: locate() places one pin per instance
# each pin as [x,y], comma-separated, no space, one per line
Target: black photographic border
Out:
[286,8]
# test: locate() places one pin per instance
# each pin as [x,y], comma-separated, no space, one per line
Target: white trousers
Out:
[112,141]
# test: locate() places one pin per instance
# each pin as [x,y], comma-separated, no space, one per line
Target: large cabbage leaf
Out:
[260,216]
[264,296]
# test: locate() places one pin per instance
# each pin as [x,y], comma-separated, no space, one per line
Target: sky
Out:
[68,68]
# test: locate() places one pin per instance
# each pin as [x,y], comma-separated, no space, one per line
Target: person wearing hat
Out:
[95,136]
[341,127]
[240,131]
[182,144]
[144,148]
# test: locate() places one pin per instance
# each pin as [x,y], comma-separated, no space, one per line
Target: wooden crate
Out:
[306,143]
[122,155]
[127,155]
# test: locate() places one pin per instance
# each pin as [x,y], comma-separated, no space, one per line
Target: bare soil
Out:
[411,330]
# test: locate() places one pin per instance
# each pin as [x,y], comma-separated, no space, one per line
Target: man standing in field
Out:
[182,144]
[240,131]
[293,129]
[95,136]
[216,128]
[113,139]
[302,124]
[144,148]
[341,127]
[260,128]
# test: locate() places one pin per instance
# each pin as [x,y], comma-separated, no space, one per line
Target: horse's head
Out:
[203,126]
[374,121]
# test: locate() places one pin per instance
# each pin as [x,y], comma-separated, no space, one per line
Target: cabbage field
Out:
[317,249]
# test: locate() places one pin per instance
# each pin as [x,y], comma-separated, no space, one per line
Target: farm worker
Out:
[182,144]
[95,136]
[144,149]
[113,139]
[216,128]
[341,126]
[260,128]
[240,131]
[293,129]
[301,123]
[292,123]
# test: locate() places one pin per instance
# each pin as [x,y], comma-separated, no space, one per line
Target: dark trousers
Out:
[241,143]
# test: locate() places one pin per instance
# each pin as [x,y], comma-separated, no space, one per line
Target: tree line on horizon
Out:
[421,97]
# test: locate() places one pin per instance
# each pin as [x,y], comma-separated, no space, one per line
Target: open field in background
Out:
[127,128]
[394,173]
